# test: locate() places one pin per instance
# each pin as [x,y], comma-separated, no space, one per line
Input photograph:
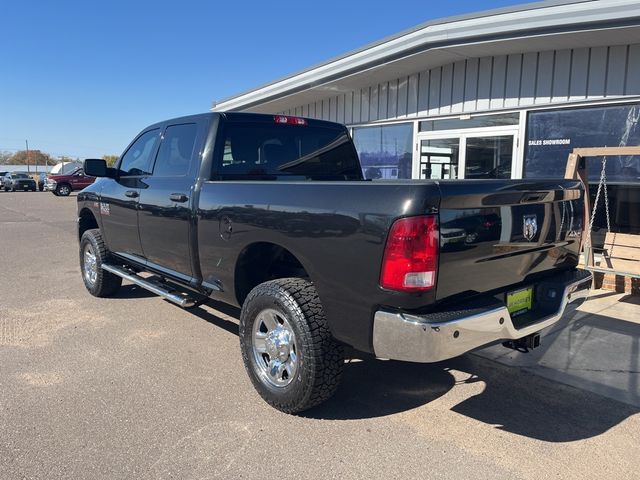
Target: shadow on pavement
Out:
[525,404]
[131,291]
[375,388]
[630,299]
[206,315]
[596,350]
[513,400]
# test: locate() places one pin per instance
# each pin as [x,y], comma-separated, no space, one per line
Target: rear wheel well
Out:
[86,221]
[261,262]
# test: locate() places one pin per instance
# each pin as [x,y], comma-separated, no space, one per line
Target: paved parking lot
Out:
[134,387]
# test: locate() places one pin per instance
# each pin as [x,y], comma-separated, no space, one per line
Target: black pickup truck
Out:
[272,213]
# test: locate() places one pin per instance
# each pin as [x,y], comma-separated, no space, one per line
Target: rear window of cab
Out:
[263,151]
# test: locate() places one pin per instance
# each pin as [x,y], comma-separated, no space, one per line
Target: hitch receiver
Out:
[524,344]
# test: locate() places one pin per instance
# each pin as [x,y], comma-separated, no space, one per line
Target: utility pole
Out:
[27,143]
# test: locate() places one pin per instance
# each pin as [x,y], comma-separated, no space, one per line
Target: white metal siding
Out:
[489,83]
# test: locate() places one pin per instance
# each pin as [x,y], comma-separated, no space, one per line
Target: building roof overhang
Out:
[550,25]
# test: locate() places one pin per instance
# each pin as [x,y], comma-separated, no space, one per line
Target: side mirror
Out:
[97,167]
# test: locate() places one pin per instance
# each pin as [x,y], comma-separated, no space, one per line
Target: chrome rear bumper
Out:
[422,338]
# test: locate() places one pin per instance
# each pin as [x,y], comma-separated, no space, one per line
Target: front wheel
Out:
[93,254]
[471,237]
[288,351]
[63,190]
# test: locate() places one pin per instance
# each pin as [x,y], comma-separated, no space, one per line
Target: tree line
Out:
[37,157]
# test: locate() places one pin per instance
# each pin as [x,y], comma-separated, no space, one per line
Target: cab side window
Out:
[176,150]
[137,160]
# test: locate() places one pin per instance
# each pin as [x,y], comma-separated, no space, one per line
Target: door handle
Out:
[178,197]
[131,194]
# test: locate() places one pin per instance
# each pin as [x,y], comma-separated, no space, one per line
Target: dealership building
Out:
[506,93]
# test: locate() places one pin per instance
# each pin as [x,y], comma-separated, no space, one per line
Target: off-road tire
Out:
[320,356]
[106,283]
[63,190]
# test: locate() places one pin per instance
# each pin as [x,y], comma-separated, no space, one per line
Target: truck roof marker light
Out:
[284,119]
[410,259]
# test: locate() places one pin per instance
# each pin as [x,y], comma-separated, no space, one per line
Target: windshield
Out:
[259,151]
[64,168]
[19,175]
[69,168]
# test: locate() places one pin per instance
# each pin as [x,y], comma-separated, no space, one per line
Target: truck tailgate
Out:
[496,235]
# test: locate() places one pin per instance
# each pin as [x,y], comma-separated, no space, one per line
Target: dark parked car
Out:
[18,181]
[273,214]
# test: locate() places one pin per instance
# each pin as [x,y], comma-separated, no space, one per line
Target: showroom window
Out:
[553,134]
[385,151]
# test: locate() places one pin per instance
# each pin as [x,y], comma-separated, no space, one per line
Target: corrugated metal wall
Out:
[490,83]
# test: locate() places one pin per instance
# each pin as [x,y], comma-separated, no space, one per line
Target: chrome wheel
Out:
[64,190]
[274,348]
[90,264]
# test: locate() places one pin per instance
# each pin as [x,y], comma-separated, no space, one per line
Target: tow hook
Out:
[524,344]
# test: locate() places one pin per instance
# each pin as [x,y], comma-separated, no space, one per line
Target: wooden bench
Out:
[621,252]
[620,255]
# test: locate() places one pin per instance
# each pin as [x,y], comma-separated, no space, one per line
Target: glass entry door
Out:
[439,158]
[471,154]
[489,157]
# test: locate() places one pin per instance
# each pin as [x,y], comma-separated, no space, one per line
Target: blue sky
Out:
[82,78]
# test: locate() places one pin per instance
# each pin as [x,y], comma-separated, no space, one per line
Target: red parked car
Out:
[65,183]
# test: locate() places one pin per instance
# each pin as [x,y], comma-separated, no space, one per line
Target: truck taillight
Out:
[287,120]
[410,261]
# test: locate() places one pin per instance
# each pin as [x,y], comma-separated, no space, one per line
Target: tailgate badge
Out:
[529,226]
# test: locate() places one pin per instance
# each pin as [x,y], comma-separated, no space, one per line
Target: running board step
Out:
[180,299]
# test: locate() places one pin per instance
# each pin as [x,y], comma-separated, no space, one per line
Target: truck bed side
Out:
[335,230]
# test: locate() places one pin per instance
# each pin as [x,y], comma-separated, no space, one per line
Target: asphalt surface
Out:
[134,387]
